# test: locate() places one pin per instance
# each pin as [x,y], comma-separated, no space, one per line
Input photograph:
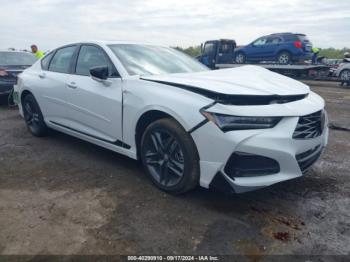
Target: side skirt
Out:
[116,146]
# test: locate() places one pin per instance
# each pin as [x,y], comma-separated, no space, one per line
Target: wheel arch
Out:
[285,51]
[240,52]
[25,93]
[342,71]
[148,117]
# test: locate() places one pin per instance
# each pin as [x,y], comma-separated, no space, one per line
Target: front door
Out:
[256,50]
[95,107]
[209,54]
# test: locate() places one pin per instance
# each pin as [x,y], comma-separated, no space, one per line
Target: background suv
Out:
[283,48]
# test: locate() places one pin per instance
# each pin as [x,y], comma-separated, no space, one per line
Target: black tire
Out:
[284,58]
[170,157]
[345,75]
[240,58]
[33,116]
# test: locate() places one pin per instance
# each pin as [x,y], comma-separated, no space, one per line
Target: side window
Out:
[273,40]
[61,61]
[225,48]
[92,56]
[260,41]
[46,61]
[208,49]
[290,38]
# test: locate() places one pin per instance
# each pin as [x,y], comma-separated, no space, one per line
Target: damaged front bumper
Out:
[245,160]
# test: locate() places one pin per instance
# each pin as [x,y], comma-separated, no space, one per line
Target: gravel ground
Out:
[60,195]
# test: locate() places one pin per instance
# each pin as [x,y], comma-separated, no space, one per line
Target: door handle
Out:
[72,85]
[42,75]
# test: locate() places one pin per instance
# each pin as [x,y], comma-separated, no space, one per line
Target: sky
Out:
[51,23]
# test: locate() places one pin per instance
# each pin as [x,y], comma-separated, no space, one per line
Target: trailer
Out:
[219,54]
[305,71]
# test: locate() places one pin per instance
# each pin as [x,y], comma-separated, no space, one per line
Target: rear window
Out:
[303,38]
[16,58]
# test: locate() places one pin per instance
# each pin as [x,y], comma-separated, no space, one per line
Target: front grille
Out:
[310,126]
[248,165]
[308,158]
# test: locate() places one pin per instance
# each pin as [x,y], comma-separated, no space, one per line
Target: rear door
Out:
[95,108]
[272,46]
[51,83]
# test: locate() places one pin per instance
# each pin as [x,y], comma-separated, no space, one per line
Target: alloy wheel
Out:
[164,158]
[345,75]
[239,58]
[283,59]
[31,115]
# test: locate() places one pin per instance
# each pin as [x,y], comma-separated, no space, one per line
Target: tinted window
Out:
[260,41]
[46,60]
[154,60]
[208,49]
[16,58]
[61,60]
[91,56]
[290,38]
[226,48]
[273,40]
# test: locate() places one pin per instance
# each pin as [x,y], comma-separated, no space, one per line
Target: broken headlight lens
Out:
[229,123]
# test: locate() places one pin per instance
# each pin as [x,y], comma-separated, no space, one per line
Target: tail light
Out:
[298,44]
[3,72]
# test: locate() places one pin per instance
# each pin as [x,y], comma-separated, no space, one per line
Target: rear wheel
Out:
[33,116]
[170,157]
[284,58]
[240,58]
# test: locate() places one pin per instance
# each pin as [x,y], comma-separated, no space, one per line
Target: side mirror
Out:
[99,73]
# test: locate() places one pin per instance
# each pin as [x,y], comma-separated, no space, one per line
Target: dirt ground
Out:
[60,195]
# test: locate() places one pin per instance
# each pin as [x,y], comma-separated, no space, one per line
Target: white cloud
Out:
[50,23]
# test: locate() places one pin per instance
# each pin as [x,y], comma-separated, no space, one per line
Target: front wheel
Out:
[240,58]
[170,157]
[33,116]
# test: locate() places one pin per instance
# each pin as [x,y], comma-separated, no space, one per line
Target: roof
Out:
[111,42]
[286,33]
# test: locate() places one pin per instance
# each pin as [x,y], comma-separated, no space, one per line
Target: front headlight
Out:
[229,123]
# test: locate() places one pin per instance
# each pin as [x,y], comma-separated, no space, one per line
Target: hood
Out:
[244,80]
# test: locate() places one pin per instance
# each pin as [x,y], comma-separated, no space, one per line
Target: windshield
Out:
[16,58]
[155,60]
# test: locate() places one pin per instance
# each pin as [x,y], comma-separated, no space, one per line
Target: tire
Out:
[284,58]
[345,75]
[240,58]
[33,116]
[170,157]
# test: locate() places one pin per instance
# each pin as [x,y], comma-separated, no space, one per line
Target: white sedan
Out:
[237,129]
